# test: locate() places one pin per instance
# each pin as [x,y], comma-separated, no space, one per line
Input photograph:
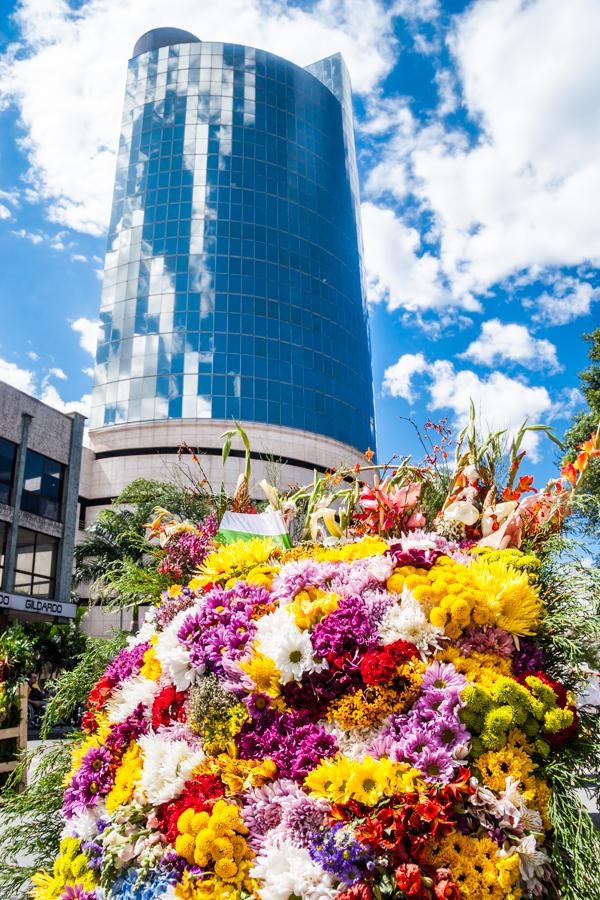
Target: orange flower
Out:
[569,472]
[369,454]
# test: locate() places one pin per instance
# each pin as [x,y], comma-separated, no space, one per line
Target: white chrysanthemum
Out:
[166,767]
[406,621]
[128,697]
[147,630]
[290,649]
[287,871]
[174,658]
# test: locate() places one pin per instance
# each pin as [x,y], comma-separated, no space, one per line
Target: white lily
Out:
[462,511]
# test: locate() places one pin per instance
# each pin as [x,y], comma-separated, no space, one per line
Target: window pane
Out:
[36,563]
[42,488]
[7,460]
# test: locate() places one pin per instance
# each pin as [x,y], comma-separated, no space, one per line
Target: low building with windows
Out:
[40,460]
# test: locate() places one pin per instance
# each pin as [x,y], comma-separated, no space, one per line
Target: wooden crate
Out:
[19,732]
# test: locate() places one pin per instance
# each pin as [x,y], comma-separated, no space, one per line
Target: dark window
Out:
[8,452]
[35,569]
[42,487]
[3,535]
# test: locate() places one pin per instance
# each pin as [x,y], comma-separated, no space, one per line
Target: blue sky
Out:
[479,150]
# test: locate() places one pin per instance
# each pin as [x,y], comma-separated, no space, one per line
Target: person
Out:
[36,696]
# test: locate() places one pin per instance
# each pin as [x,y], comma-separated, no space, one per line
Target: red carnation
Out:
[402,650]
[377,667]
[168,707]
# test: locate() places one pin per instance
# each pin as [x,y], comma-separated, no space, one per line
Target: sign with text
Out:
[40,606]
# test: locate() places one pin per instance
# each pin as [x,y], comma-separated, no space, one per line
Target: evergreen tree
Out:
[584,424]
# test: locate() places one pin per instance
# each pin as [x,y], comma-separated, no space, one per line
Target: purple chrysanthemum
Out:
[127,663]
[346,630]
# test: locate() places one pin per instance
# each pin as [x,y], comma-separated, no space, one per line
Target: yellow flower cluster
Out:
[368,546]
[71,867]
[238,774]
[151,668]
[342,779]
[215,839]
[486,592]
[367,706]
[233,560]
[480,668]
[126,778]
[199,887]
[312,605]
[476,866]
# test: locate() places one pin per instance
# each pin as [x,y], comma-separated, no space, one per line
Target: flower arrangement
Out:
[377,715]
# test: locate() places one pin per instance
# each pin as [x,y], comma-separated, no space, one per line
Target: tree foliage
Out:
[585,422]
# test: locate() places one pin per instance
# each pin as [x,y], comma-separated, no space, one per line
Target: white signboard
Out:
[37,605]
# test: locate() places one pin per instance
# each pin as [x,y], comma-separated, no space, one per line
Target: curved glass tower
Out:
[233,285]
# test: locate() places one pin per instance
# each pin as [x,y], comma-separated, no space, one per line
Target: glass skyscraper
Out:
[233,284]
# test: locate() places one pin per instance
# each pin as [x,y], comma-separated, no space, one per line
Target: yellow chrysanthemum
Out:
[368,546]
[233,559]
[519,608]
[126,778]
[312,605]
[264,673]
[151,669]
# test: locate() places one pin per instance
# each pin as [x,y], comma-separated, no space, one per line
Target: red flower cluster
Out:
[379,666]
[198,794]
[168,707]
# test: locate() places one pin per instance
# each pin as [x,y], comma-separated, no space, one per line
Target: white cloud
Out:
[33,355]
[32,236]
[11,197]
[78,257]
[398,271]
[397,379]
[57,373]
[64,54]
[5,212]
[23,379]
[569,299]
[50,395]
[498,342]
[525,193]
[501,402]
[89,371]
[88,333]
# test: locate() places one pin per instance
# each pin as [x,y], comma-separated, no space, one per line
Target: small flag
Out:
[245,526]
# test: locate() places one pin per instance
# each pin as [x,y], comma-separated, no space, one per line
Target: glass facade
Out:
[233,284]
